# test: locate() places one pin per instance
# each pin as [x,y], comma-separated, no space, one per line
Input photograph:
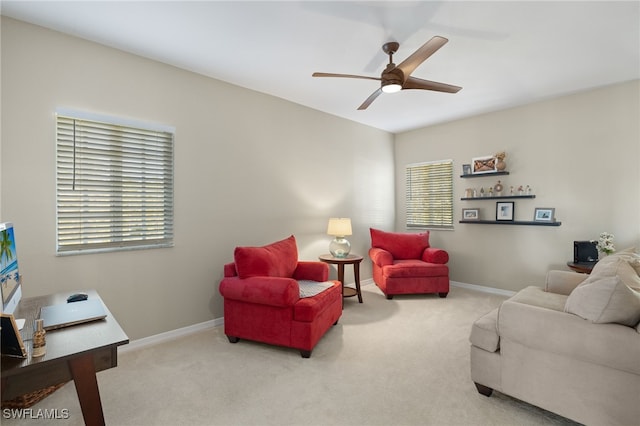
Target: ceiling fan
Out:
[398,77]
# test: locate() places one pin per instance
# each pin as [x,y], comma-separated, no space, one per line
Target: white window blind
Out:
[429,195]
[114,187]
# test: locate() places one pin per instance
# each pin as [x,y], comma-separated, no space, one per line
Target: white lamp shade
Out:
[339,226]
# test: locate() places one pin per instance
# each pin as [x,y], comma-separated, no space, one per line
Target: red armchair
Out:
[263,301]
[403,263]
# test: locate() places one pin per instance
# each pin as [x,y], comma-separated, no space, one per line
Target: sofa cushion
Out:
[536,296]
[619,264]
[484,333]
[278,259]
[605,300]
[549,331]
[630,255]
[400,245]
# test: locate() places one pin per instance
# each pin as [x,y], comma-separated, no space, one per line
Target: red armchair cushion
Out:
[415,268]
[278,259]
[400,245]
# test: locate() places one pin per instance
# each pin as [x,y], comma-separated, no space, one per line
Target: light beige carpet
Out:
[388,362]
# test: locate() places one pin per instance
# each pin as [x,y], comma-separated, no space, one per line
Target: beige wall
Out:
[580,154]
[249,169]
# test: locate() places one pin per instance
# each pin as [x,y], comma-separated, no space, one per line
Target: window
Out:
[429,195]
[114,186]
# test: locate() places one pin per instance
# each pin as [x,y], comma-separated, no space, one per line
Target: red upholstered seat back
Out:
[400,245]
[278,259]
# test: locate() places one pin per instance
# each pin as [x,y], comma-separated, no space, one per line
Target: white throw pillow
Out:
[605,300]
[620,265]
[632,257]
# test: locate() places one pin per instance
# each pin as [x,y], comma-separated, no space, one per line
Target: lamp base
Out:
[339,247]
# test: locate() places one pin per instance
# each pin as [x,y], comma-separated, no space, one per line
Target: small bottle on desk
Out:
[39,342]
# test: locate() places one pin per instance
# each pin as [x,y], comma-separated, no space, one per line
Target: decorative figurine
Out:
[498,188]
[500,164]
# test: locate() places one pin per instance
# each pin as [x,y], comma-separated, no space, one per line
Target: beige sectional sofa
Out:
[572,348]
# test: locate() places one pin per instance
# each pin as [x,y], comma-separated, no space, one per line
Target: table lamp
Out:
[339,227]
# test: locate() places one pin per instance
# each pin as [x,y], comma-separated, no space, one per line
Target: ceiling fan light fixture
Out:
[395,78]
[391,87]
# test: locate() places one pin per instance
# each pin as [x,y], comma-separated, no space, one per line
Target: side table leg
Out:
[84,377]
[356,276]
[341,273]
[341,279]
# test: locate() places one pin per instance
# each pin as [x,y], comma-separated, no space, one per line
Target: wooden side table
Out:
[351,259]
[583,268]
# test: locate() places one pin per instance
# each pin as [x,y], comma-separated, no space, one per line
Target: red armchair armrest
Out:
[274,291]
[435,255]
[308,270]
[380,257]
[230,270]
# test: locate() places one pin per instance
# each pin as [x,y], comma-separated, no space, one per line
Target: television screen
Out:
[9,273]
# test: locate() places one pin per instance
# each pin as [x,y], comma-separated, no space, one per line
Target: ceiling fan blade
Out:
[326,74]
[418,83]
[370,99]
[419,56]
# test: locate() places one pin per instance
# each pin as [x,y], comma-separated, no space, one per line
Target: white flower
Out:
[605,243]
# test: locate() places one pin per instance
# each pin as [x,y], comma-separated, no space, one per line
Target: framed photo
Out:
[504,210]
[466,169]
[485,164]
[12,344]
[544,214]
[470,214]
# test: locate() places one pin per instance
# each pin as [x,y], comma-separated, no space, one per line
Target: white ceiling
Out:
[502,53]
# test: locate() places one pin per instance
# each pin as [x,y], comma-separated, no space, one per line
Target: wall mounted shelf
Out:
[497,197]
[484,174]
[514,222]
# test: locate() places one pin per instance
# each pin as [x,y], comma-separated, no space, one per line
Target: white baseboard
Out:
[368,281]
[170,335]
[476,287]
[217,322]
[483,289]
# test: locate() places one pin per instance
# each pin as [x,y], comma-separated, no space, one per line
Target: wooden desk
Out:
[351,259]
[73,353]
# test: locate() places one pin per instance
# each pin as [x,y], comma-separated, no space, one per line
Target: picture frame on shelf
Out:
[470,214]
[544,214]
[466,169]
[504,211]
[486,164]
